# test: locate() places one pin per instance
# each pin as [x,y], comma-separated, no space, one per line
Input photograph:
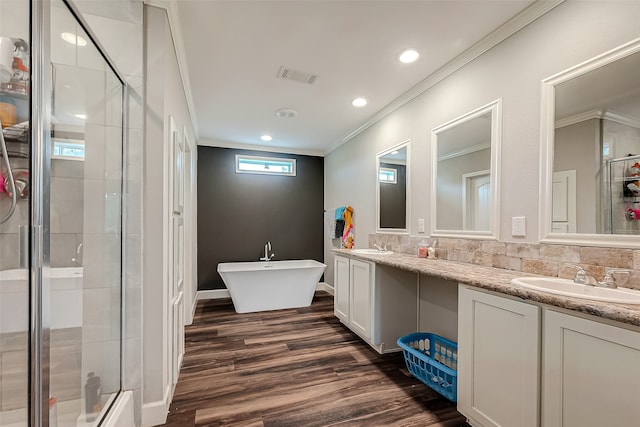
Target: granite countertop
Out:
[498,280]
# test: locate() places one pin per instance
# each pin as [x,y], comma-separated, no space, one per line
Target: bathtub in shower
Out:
[271,285]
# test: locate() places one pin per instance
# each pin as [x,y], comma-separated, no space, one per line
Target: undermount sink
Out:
[566,287]
[370,252]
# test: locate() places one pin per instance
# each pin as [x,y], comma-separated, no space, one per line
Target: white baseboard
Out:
[323,286]
[193,307]
[224,293]
[212,294]
[155,413]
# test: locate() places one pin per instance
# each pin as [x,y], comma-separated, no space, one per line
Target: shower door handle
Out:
[24,246]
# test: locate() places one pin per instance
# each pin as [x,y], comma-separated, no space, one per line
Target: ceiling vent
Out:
[297,76]
[286,113]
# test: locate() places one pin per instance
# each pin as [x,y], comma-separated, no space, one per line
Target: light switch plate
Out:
[518,226]
[421,225]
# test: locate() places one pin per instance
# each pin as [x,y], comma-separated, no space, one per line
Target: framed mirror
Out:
[392,189]
[465,168]
[590,171]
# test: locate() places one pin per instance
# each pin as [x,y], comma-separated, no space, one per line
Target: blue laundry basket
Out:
[433,360]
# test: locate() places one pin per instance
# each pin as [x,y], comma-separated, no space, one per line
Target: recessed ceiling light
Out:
[266,137]
[287,113]
[74,39]
[359,102]
[408,56]
[80,116]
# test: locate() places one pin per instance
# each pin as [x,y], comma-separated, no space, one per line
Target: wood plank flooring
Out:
[295,368]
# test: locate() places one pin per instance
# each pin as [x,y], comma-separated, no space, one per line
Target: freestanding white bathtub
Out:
[271,285]
[66,298]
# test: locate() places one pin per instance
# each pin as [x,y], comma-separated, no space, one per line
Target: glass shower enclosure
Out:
[61,175]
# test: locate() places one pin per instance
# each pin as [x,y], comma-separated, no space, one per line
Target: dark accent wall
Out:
[393,199]
[239,213]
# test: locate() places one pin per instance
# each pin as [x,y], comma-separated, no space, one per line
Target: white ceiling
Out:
[234,49]
[613,88]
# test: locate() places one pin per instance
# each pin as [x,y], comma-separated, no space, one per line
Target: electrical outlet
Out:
[421,225]
[518,226]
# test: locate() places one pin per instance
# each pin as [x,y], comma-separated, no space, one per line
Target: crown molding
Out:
[170,6]
[598,114]
[468,150]
[515,24]
[578,118]
[625,120]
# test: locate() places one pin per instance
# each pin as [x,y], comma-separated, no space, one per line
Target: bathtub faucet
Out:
[79,255]
[267,249]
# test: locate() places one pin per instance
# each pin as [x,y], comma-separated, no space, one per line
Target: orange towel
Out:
[347,236]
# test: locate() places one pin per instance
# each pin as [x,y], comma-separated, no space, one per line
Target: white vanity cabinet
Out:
[341,288]
[498,367]
[353,294]
[592,373]
[376,302]
[361,279]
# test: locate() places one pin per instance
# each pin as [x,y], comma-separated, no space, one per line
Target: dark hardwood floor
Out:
[298,368]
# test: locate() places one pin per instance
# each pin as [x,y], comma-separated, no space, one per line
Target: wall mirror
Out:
[465,156]
[590,189]
[393,189]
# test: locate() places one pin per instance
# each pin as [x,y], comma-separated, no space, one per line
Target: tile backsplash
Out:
[537,258]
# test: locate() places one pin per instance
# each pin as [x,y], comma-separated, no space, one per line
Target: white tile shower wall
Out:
[102,260]
[537,258]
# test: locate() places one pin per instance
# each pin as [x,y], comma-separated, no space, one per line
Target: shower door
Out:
[14,212]
[61,248]
[85,223]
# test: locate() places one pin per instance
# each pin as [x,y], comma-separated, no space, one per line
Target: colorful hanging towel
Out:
[347,234]
[340,213]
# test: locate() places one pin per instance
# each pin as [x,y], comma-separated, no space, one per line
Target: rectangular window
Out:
[68,150]
[265,165]
[388,175]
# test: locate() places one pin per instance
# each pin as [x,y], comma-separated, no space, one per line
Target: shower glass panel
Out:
[14,212]
[85,224]
[624,195]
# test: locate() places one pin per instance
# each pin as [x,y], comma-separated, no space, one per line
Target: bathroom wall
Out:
[575,148]
[164,98]
[569,34]
[239,213]
[450,173]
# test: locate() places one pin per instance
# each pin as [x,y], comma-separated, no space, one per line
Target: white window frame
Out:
[392,171]
[240,157]
[56,142]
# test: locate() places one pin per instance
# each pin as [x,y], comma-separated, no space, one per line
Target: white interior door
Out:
[477,201]
[564,202]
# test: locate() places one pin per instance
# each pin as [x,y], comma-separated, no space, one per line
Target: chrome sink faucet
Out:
[609,281]
[583,277]
[267,249]
[381,247]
